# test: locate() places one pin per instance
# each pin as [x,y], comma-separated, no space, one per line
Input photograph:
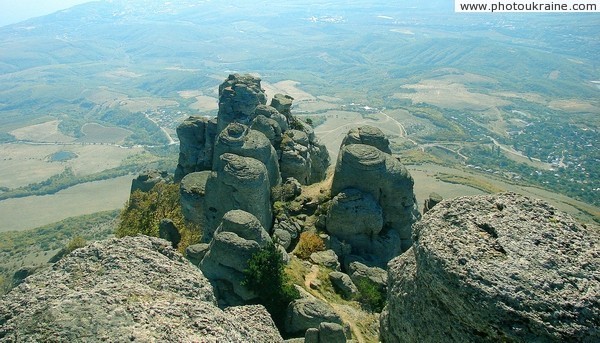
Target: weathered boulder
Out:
[343,284]
[431,201]
[326,258]
[238,139]
[374,172]
[282,103]
[148,179]
[311,335]
[192,190]
[272,113]
[196,252]
[167,230]
[360,272]
[319,163]
[237,183]
[368,135]
[331,333]
[356,218]
[295,158]
[239,95]
[306,313]
[196,140]
[123,290]
[239,236]
[495,268]
[269,128]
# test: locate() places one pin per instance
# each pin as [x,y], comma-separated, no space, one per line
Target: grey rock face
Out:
[238,183]
[311,336]
[196,140]
[237,139]
[239,96]
[368,135]
[374,172]
[331,333]
[495,268]
[147,180]
[192,190]
[319,162]
[326,258]
[272,113]
[360,272]
[433,200]
[282,103]
[295,157]
[123,290]
[196,252]
[269,128]
[168,231]
[343,284]
[238,237]
[356,218]
[306,313]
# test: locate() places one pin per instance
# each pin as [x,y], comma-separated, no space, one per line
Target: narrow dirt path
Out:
[346,317]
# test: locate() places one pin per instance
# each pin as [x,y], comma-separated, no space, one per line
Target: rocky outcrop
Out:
[305,313]
[495,268]
[239,236]
[325,333]
[326,258]
[282,103]
[239,96]
[238,139]
[148,179]
[196,252]
[123,290]
[237,183]
[356,218]
[192,191]
[303,158]
[196,141]
[368,135]
[368,183]
[431,201]
[343,284]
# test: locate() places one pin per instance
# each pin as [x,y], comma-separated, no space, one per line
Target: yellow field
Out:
[31,212]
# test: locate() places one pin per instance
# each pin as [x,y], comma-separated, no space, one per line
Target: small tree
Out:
[266,277]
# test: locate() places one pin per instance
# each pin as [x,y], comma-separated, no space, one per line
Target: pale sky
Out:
[14,11]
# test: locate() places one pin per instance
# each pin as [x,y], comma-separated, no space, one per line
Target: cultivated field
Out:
[96,133]
[22,164]
[44,132]
[34,211]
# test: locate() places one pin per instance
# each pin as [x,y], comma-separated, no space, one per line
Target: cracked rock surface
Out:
[495,268]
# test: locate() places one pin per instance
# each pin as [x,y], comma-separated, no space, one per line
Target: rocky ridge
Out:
[123,290]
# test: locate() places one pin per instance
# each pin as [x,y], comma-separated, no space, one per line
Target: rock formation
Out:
[431,201]
[305,313]
[238,237]
[245,127]
[495,268]
[148,179]
[123,290]
[368,135]
[167,230]
[240,140]
[239,96]
[196,142]
[237,183]
[374,205]
[192,190]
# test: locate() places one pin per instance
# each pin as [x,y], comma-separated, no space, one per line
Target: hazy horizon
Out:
[14,12]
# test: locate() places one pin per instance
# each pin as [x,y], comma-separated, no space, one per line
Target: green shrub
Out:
[371,296]
[266,277]
[144,210]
